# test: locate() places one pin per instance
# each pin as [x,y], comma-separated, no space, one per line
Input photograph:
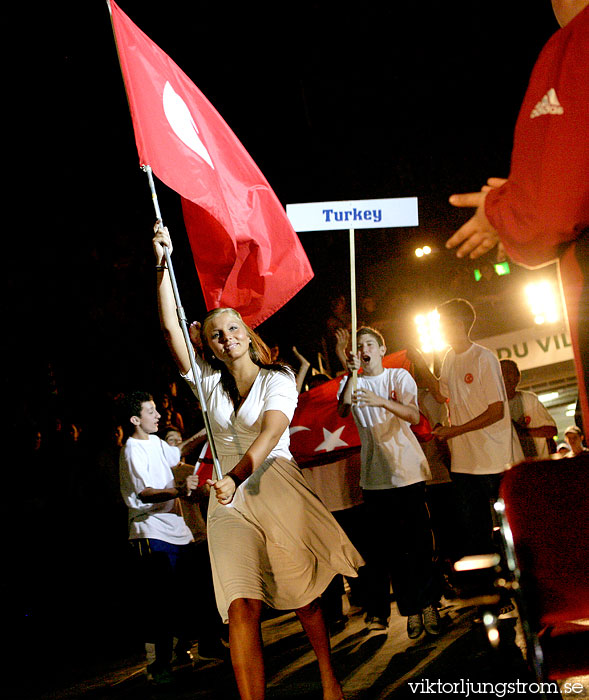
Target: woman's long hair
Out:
[259,353]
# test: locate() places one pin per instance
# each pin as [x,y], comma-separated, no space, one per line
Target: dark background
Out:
[332,100]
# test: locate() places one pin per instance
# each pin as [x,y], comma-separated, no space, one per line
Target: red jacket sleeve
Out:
[545,201]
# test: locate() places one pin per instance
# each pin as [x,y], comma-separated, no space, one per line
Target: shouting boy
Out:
[393,475]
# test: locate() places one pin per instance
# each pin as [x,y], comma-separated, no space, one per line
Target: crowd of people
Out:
[261,558]
[426,494]
[132,502]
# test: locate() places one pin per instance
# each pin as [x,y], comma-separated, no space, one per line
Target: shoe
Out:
[377,624]
[431,620]
[414,626]
[337,624]
[161,676]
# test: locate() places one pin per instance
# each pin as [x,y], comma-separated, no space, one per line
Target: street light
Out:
[424,250]
[430,334]
[543,302]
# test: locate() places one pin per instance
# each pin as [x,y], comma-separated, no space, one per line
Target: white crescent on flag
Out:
[182,123]
[296,428]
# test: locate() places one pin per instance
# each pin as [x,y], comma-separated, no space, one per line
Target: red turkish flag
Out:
[318,435]
[246,252]
[205,464]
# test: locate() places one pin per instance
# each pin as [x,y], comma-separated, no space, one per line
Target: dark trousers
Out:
[399,551]
[442,506]
[475,494]
[174,594]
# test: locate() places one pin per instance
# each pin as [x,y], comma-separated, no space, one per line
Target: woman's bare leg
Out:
[313,623]
[245,645]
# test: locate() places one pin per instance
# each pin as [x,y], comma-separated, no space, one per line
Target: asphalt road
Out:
[371,666]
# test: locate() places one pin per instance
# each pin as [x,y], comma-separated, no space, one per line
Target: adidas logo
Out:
[549,104]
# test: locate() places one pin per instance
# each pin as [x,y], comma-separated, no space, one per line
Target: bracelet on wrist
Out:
[161,267]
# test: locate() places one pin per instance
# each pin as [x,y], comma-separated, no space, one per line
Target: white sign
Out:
[532,347]
[360,213]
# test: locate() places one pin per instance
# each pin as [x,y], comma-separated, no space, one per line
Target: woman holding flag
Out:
[271,540]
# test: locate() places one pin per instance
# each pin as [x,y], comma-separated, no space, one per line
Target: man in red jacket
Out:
[541,212]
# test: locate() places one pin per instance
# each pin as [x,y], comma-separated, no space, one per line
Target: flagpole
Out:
[353,303]
[185,333]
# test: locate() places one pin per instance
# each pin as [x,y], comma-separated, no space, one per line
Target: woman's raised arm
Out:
[166,302]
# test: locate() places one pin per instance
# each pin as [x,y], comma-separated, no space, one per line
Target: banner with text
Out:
[532,347]
[356,214]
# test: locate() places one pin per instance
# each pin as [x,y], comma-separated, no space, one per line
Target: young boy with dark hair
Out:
[157,531]
[393,475]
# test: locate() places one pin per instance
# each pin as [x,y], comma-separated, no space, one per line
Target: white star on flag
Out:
[331,440]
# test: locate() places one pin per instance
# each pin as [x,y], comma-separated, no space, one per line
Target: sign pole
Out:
[359,213]
[354,322]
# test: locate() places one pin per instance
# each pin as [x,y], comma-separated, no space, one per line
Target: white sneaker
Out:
[414,626]
[431,620]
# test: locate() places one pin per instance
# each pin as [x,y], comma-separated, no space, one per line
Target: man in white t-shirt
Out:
[480,431]
[160,538]
[533,425]
[393,475]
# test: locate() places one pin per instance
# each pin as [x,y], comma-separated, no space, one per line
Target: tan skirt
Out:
[276,541]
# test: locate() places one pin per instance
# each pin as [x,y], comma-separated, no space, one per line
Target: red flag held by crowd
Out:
[246,252]
[318,435]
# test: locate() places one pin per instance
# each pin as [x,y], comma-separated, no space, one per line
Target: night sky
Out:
[333,101]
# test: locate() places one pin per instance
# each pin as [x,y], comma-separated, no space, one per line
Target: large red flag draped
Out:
[246,252]
[318,435]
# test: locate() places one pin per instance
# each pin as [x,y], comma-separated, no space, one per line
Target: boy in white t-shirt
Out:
[533,425]
[393,475]
[480,433]
[160,538]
